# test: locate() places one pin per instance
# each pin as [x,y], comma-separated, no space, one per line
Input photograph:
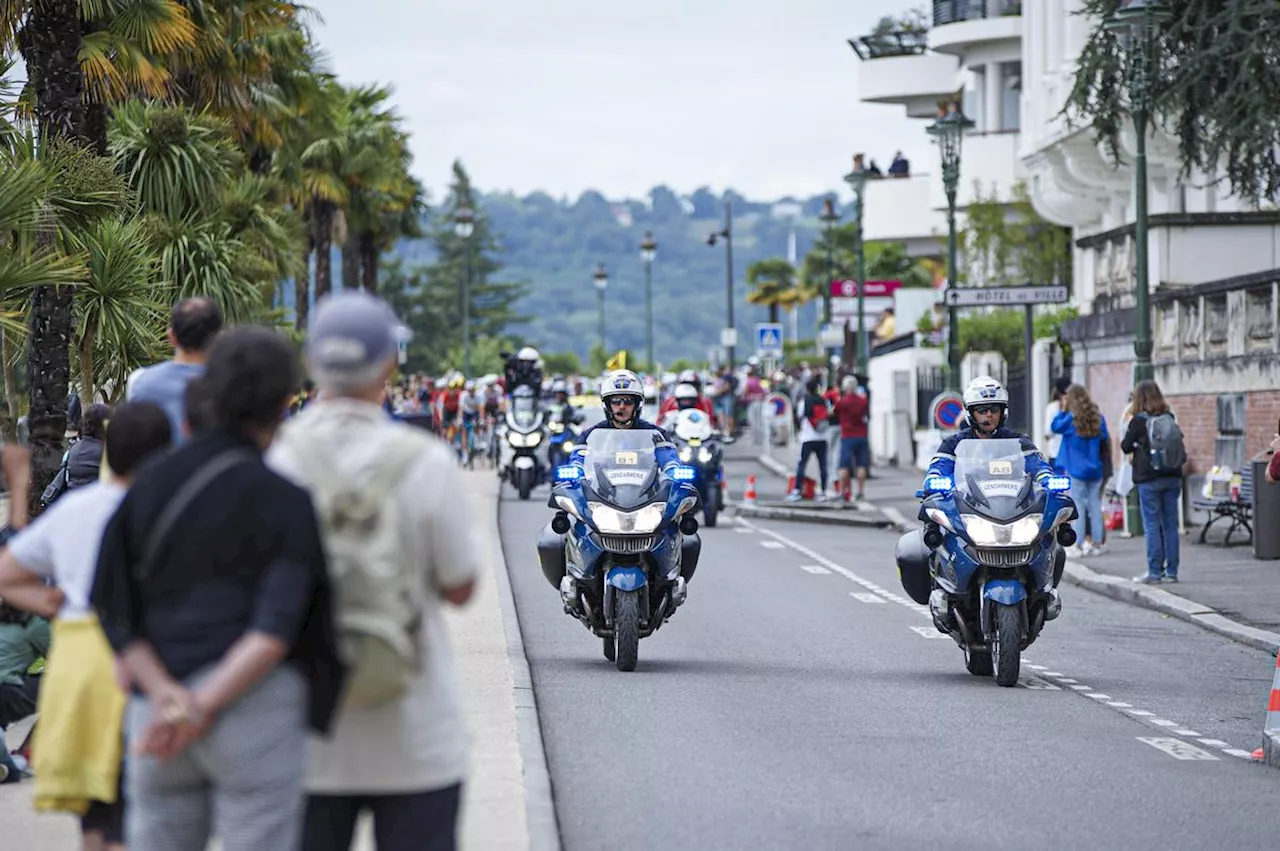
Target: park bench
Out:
[1238,511]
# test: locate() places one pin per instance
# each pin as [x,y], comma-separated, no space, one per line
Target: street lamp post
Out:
[464,224]
[601,279]
[727,235]
[857,180]
[948,131]
[828,218]
[648,251]
[1135,26]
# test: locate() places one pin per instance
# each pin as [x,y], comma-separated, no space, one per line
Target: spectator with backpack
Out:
[1159,453]
[400,547]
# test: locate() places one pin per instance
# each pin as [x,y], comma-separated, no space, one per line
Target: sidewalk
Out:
[1224,590]
[507,802]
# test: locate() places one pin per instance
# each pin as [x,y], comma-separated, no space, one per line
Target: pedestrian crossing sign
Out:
[769,340]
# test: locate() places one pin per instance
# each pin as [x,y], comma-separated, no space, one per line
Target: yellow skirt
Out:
[78,743]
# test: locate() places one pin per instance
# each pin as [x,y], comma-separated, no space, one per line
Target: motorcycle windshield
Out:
[692,425]
[622,466]
[992,477]
[523,414]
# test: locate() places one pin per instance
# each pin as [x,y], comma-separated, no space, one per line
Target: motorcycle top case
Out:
[912,557]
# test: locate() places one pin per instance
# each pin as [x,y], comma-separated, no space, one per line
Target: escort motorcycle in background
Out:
[522,431]
[989,558]
[562,438]
[623,543]
[700,447]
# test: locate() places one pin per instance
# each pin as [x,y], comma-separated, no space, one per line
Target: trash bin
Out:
[1133,514]
[1266,510]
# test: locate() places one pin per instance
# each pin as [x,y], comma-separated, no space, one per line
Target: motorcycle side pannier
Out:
[551,555]
[913,566]
[690,549]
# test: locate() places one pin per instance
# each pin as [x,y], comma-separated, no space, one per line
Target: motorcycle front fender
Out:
[626,578]
[1008,592]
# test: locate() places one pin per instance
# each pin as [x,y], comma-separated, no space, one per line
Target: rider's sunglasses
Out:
[622,402]
[985,409]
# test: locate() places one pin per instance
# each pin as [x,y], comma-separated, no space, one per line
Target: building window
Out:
[971,102]
[1011,96]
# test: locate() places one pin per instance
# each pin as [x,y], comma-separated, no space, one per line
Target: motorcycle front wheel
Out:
[626,629]
[1006,651]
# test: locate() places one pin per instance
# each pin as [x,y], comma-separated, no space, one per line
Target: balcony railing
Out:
[954,11]
[878,45]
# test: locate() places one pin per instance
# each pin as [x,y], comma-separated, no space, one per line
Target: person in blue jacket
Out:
[622,396]
[1085,456]
[986,404]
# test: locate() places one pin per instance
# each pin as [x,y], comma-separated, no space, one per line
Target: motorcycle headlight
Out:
[1019,533]
[937,515]
[524,441]
[568,447]
[686,454]
[704,456]
[611,521]
[686,504]
[567,506]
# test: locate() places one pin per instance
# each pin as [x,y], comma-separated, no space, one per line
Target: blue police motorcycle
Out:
[989,558]
[623,543]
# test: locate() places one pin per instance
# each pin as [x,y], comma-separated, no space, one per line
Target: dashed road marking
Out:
[1097,696]
[1215,743]
[815,569]
[1141,713]
[1164,722]
[929,632]
[1078,687]
[1037,684]
[1177,748]
[773,545]
[1192,733]
[867,598]
[1119,704]
[743,530]
[1239,753]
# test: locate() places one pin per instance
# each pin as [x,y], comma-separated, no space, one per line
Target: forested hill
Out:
[555,244]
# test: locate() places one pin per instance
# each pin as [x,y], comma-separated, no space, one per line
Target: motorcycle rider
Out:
[621,396]
[686,396]
[560,403]
[986,405]
[524,368]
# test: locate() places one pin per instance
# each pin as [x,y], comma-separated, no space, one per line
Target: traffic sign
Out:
[946,410]
[1000,296]
[729,337]
[849,289]
[769,340]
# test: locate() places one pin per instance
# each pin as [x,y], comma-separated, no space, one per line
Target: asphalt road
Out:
[798,700]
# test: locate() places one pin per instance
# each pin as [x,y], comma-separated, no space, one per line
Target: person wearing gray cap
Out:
[399,743]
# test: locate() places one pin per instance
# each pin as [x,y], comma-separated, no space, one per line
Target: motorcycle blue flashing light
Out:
[939,484]
[1058,484]
[683,474]
[568,473]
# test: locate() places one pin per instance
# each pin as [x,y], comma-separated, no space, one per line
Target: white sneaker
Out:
[1086,550]
[794,496]
[820,496]
[1074,551]
[1099,550]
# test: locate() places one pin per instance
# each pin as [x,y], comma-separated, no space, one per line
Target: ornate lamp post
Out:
[464,223]
[828,218]
[948,131]
[727,235]
[648,251]
[857,180]
[601,280]
[1135,25]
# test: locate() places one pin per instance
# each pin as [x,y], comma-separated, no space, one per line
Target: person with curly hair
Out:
[1085,456]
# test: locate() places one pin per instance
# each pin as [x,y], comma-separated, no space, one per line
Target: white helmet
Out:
[985,390]
[621,382]
[688,377]
[528,353]
[559,386]
[686,391]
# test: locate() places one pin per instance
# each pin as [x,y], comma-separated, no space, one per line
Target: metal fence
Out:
[930,381]
[954,11]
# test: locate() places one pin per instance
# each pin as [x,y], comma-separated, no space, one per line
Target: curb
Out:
[539,802]
[799,515]
[1127,591]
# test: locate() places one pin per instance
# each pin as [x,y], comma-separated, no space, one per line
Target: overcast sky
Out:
[566,95]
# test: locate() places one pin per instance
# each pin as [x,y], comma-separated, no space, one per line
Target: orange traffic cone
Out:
[1270,750]
[749,496]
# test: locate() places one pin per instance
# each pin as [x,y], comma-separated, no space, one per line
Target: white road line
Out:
[1177,748]
[1062,679]
[1097,696]
[1078,687]
[1192,733]
[1216,743]
[1141,713]
[1164,722]
[867,598]
[1239,753]
[1054,674]
[773,545]
[743,530]
[929,632]
[1037,684]
[1119,704]
[815,569]
[1036,667]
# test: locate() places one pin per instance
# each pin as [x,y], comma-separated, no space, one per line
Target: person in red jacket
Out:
[685,396]
[855,454]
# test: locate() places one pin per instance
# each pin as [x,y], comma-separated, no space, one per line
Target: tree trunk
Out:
[87,377]
[370,258]
[351,262]
[322,233]
[50,46]
[95,127]
[9,425]
[773,312]
[302,289]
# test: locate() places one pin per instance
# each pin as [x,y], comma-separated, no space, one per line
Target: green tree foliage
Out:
[1009,244]
[1215,86]
[561,363]
[773,284]
[1002,330]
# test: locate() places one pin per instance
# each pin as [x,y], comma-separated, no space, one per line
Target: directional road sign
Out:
[1002,296]
[769,340]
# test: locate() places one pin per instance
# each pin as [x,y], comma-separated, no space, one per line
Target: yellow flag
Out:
[618,361]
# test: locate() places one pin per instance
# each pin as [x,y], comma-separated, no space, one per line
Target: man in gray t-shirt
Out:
[194,326]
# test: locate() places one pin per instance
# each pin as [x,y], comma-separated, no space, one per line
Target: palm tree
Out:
[772,280]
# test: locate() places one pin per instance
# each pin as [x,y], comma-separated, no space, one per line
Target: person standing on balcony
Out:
[900,167]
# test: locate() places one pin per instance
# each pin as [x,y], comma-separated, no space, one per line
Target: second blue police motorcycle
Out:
[989,558]
[623,543]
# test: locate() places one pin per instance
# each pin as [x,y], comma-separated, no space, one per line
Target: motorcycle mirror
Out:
[560,523]
[688,524]
[1066,536]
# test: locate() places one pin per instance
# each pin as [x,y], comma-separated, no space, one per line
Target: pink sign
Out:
[849,289]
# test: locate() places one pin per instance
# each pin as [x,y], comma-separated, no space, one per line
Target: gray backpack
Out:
[377,611]
[1166,451]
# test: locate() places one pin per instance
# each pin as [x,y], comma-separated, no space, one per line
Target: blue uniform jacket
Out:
[944,460]
[664,451]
